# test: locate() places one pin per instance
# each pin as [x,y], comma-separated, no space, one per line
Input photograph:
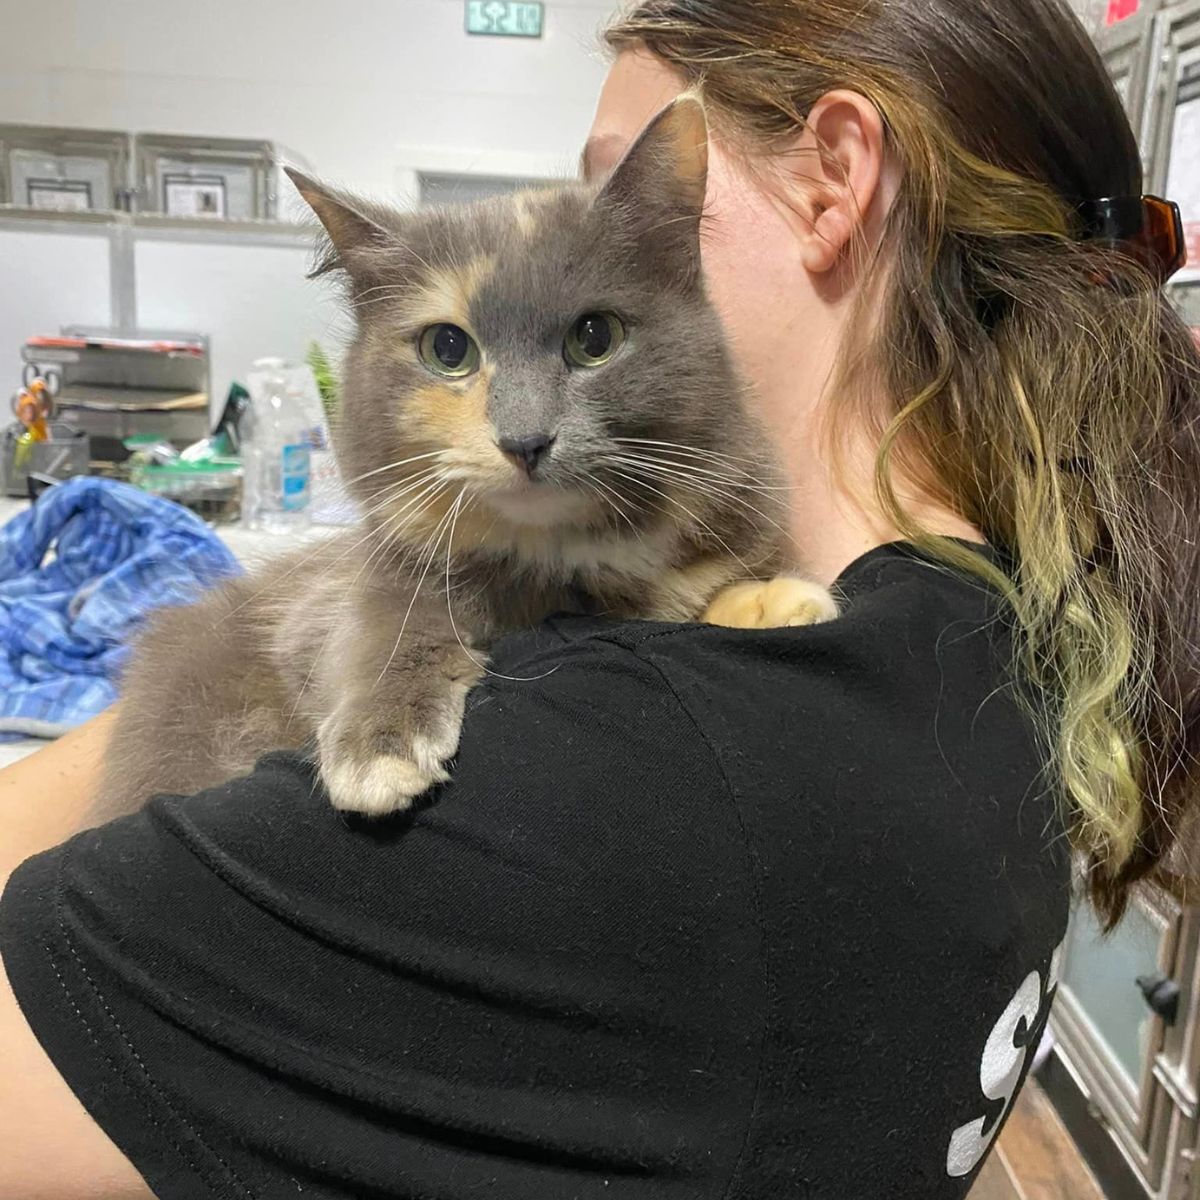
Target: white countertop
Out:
[251,548]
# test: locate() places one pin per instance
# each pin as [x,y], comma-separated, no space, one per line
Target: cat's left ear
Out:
[661,183]
[359,242]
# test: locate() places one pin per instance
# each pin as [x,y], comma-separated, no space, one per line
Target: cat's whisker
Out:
[399,521]
[607,505]
[721,466]
[277,580]
[713,454]
[727,469]
[701,487]
[389,497]
[609,512]
[669,222]
[384,298]
[480,663]
[383,534]
[387,534]
[699,521]
[626,496]
[406,477]
[381,287]
[658,508]
[638,462]
[683,470]
[613,499]
[410,552]
[707,489]
[734,476]
[392,466]
[319,549]
[434,541]
[402,288]
[706,492]
[317,658]
[371,532]
[691,471]
[391,291]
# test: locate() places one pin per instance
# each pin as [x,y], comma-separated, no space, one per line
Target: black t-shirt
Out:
[704,914]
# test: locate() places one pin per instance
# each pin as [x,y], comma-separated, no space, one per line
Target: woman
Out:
[714,914]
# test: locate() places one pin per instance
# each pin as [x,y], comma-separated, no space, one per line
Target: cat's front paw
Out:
[782,602]
[376,769]
[379,786]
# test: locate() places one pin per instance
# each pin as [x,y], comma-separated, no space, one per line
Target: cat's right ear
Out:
[660,185]
[357,241]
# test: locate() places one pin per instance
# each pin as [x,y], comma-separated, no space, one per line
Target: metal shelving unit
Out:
[81,171]
[52,169]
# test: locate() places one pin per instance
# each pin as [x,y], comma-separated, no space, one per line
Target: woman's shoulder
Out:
[911,637]
[899,723]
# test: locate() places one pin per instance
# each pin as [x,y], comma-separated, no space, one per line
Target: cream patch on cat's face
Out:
[446,294]
[526,208]
[451,415]
[452,418]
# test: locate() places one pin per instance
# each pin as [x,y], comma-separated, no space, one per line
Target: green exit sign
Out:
[504,18]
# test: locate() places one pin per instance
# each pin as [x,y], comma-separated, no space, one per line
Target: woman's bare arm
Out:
[46,798]
[53,1148]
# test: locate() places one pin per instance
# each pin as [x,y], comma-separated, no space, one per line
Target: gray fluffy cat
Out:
[538,406]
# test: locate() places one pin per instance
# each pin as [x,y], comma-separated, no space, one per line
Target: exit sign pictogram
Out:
[504,18]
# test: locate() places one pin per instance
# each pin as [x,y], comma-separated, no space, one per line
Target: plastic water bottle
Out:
[276,470]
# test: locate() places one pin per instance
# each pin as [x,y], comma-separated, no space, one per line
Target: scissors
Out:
[43,385]
[34,404]
[34,407]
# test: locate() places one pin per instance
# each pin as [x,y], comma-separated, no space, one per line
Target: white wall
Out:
[343,84]
[32,270]
[252,301]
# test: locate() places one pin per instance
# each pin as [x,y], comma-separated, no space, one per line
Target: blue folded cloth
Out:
[66,617]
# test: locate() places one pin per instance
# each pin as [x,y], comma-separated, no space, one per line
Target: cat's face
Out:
[533,353]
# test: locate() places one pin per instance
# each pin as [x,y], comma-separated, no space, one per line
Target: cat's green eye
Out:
[448,350]
[594,339]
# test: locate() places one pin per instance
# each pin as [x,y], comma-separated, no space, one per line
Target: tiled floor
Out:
[1035,1159]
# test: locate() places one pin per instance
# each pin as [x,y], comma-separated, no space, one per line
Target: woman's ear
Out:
[846,141]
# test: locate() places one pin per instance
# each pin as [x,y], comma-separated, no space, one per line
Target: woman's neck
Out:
[835,522]
[835,517]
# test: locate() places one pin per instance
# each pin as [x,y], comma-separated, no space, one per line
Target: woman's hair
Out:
[1039,382]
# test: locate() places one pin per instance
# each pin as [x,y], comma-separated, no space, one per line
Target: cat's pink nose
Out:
[527,452]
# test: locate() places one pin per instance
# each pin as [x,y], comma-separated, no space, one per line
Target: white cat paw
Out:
[388,783]
[374,767]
